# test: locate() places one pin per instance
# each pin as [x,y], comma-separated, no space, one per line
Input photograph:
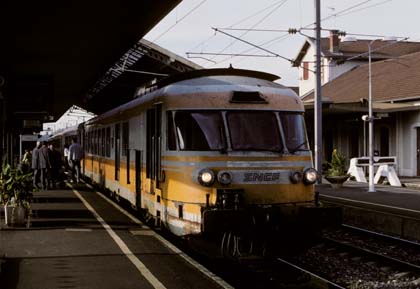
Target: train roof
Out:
[66,132]
[212,88]
[199,73]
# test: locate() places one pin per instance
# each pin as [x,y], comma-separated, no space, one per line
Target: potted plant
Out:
[337,172]
[15,194]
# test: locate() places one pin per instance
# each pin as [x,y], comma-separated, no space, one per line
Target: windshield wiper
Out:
[223,149]
[297,148]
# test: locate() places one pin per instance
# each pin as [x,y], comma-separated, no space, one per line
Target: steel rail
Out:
[326,282]
[389,260]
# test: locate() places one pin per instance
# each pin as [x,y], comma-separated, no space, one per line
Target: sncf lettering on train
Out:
[261,177]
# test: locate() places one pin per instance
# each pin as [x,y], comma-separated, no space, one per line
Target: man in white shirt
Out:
[75,155]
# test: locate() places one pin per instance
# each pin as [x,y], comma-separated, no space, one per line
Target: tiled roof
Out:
[392,79]
[347,49]
[390,48]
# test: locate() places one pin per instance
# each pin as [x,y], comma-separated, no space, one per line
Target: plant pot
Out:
[336,181]
[15,216]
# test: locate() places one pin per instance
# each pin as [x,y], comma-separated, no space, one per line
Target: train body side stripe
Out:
[233,164]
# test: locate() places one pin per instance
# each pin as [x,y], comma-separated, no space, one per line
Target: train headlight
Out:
[296,177]
[206,177]
[225,178]
[310,176]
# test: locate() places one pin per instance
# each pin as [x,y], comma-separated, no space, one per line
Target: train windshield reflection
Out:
[254,130]
[294,131]
[248,130]
[200,130]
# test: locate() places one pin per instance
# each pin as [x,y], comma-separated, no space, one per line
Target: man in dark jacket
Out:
[35,163]
[44,164]
[56,163]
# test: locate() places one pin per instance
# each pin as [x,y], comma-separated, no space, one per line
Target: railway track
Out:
[354,258]
[346,258]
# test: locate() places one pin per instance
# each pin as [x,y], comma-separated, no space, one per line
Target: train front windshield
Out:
[248,130]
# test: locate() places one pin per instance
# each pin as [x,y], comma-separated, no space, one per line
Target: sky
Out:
[188,28]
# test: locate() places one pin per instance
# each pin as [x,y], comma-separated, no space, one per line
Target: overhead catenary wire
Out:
[307,27]
[259,12]
[261,48]
[345,10]
[228,54]
[178,21]
[364,8]
[377,49]
[255,30]
[255,25]
[267,43]
[254,45]
[240,21]
[340,13]
[201,57]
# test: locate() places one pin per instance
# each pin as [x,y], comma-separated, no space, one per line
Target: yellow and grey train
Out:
[208,152]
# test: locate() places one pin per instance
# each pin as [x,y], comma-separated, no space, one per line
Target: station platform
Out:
[389,210]
[79,239]
[405,198]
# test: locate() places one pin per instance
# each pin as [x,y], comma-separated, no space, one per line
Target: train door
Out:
[117,151]
[153,146]
[138,178]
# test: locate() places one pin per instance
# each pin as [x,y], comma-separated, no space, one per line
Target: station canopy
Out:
[56,54]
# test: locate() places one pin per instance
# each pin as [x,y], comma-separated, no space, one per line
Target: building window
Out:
[305,70]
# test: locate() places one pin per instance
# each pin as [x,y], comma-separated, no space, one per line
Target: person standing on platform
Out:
[35,164]
[44,164]
[66,157]
[75,155]
[55,160]
[26,162]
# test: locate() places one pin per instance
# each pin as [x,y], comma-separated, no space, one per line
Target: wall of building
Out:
[307,85]
[330,70]
[334,70]
[406,140]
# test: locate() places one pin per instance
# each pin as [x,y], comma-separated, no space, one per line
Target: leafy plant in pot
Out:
[15,194]
[337,173]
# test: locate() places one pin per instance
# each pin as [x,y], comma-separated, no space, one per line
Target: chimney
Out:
[334,41]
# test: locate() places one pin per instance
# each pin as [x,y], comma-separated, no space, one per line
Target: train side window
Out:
[170,132]
[90,142]
[94,142]
[97,141]
[103,142]
[108,142]
[100,142]
[125,146]
[86,146]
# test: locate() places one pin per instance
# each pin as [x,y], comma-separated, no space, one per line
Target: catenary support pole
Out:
[371,118]
[318,95]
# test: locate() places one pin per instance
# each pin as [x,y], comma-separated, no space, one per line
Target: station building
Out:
[345,93]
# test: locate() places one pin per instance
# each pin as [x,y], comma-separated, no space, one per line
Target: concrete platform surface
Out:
[79,240]
[405,198]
